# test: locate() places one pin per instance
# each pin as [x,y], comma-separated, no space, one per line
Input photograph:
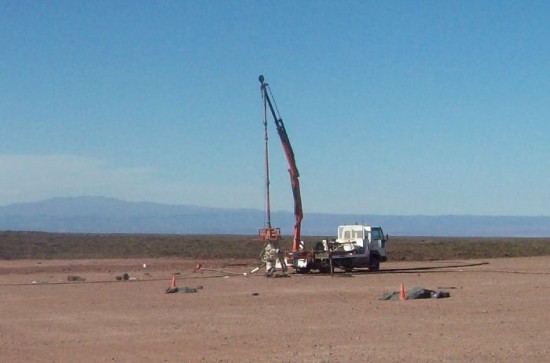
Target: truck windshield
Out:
[377,233]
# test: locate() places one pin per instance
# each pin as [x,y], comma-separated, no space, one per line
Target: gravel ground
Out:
[497,312]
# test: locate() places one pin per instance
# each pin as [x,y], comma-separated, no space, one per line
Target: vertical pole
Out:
[329,244]
[267,196]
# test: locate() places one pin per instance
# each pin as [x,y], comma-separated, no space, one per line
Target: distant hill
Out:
[108,215]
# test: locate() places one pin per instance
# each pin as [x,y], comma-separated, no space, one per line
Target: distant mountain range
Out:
[108,215]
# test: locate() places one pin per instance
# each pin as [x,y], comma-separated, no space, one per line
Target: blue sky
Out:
[392,107]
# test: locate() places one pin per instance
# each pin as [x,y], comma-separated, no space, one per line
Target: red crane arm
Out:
[292,168]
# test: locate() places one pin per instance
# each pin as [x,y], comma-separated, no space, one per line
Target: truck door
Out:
[380,243]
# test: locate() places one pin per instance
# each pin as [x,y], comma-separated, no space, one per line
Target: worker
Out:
[270,256]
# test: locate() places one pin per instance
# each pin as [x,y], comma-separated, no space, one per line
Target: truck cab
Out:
[363,240]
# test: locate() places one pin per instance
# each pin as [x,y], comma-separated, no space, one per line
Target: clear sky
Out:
[392,107]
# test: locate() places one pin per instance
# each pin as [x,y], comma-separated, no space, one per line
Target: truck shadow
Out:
[421,269]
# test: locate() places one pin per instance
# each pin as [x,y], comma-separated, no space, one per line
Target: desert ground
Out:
[497,311]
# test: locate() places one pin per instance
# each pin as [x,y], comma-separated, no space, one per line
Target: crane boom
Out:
[292,168]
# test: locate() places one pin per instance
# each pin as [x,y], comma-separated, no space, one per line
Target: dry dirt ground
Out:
[498,312]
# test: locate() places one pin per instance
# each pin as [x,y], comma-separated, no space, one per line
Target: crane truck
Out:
[356,246]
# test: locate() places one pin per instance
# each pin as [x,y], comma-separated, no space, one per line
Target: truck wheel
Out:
[304,270]
[324,269]
[374,264]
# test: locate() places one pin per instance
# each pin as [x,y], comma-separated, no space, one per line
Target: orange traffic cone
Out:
[172,287]
[402,295]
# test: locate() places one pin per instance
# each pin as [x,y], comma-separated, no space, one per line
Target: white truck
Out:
[357,246]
